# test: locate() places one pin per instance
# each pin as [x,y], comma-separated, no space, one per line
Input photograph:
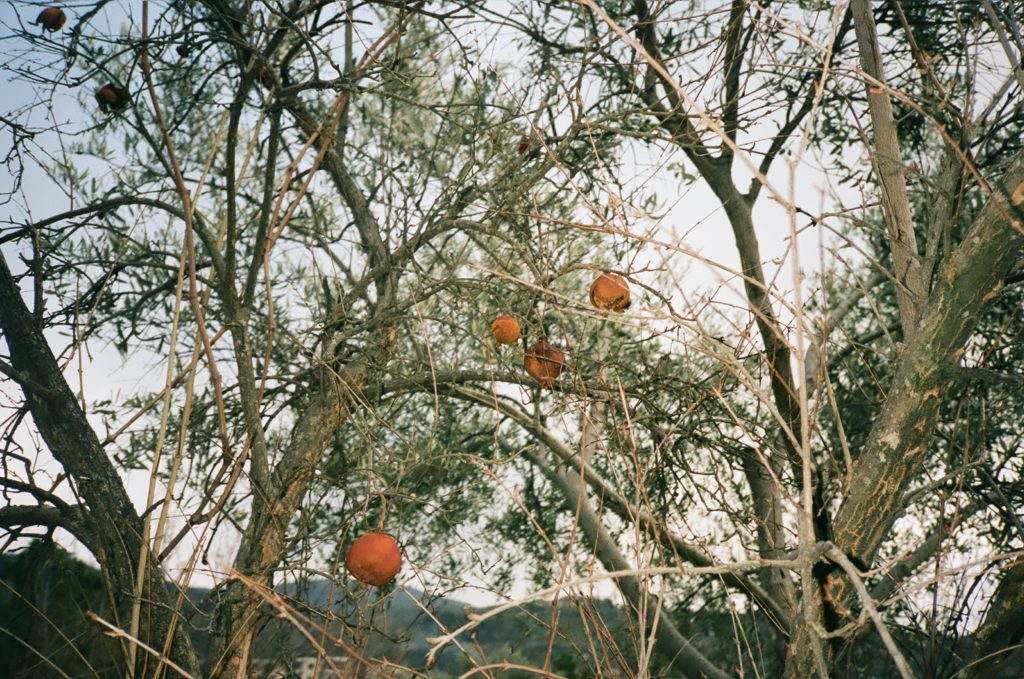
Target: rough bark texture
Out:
[901,434]
[239,620]
[935,327]
[111,520]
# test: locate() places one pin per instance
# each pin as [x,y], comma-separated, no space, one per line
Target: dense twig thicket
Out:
[286,228]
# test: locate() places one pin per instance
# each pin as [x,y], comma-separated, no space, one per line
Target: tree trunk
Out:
[902,432]
[110,517]
[238,619]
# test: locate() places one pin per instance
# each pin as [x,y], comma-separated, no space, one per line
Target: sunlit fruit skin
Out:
[505,329]
[544,362]
[610,293]
[52,19]
[110,97]
[374,559]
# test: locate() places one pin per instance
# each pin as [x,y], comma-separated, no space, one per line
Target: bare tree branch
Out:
[681,654]
[888,159]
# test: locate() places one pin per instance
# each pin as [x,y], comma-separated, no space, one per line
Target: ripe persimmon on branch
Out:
[707,313]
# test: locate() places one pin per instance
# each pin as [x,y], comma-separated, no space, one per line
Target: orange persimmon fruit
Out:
[505,329]
[374,559]
[610,293]
[544,362]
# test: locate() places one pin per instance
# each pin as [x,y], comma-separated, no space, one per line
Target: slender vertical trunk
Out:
[238,619]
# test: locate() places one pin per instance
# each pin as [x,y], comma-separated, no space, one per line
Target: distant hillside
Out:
[45,592]
[44,632]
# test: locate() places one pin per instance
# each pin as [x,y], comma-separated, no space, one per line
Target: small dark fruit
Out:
[524,145]
[111,97]
[52,19]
